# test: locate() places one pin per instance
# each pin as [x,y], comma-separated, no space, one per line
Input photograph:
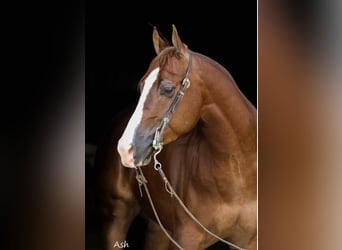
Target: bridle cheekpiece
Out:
[158,136]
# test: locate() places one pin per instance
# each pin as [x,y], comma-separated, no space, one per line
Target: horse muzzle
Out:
[142,149]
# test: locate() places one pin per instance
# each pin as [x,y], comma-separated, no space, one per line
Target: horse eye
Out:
[167,89]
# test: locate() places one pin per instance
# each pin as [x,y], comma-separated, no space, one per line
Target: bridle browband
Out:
[158,136]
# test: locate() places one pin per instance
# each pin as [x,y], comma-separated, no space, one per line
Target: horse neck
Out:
[228,119]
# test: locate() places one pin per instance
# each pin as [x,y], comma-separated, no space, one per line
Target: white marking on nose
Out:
[125,143]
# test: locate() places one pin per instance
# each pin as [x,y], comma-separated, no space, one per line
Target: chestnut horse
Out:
[196,128]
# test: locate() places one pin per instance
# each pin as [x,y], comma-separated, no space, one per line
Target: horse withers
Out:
[194,116]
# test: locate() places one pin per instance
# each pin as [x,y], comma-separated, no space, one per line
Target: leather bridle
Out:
[158,136]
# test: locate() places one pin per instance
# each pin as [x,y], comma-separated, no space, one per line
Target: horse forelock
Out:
[171,62]
[165,60]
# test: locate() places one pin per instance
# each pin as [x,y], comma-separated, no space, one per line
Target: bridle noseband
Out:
[158,136]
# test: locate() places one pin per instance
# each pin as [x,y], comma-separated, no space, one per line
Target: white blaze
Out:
[125,143]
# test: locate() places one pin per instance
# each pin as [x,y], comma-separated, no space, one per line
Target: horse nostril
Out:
[125,151]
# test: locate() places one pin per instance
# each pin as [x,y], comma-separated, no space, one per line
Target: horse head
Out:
[154,122]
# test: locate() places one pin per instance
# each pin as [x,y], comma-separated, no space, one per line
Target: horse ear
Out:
[176,41]
[159,42]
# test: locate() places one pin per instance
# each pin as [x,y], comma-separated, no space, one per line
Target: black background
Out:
[119,49]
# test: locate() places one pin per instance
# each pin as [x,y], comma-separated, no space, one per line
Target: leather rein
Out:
[158,146]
